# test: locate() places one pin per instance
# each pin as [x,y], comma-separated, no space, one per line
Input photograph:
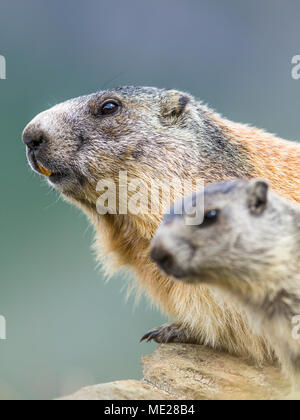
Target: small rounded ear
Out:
[258,196]
[173,106]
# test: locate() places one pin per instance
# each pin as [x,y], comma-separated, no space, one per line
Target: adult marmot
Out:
[157,135]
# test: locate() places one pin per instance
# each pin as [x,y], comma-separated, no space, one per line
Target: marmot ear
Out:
[173,106]
[258,196]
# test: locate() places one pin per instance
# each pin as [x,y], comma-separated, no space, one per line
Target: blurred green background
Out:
[66,328]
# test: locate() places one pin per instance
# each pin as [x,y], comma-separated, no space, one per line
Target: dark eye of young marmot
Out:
[210,217]
[109,107]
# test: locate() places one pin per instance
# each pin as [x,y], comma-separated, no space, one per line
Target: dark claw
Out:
[149,336]
[144,337]
[170,333]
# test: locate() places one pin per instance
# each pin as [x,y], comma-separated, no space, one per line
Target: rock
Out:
[119,390]
[191,372]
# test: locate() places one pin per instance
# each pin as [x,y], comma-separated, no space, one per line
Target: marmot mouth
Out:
[44,171]
[37,166]
[54,176]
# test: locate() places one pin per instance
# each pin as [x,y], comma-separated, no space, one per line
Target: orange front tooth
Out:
[44,171]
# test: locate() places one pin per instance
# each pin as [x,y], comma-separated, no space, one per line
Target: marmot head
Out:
[78,142]
[245,231]
[150,133]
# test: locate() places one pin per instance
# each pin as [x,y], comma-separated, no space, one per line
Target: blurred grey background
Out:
[66,328]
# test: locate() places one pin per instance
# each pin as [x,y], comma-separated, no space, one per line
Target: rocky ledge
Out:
[191,372]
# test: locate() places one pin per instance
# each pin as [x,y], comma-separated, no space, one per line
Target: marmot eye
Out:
[210,217]
[109,108]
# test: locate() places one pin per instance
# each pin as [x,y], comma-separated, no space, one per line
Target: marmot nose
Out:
[162,258]
[34,137]
[33,142]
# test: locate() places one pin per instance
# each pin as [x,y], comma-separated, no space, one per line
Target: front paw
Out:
[168,333]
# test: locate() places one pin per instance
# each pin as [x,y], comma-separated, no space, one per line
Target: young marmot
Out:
[247,245]
[157,135]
